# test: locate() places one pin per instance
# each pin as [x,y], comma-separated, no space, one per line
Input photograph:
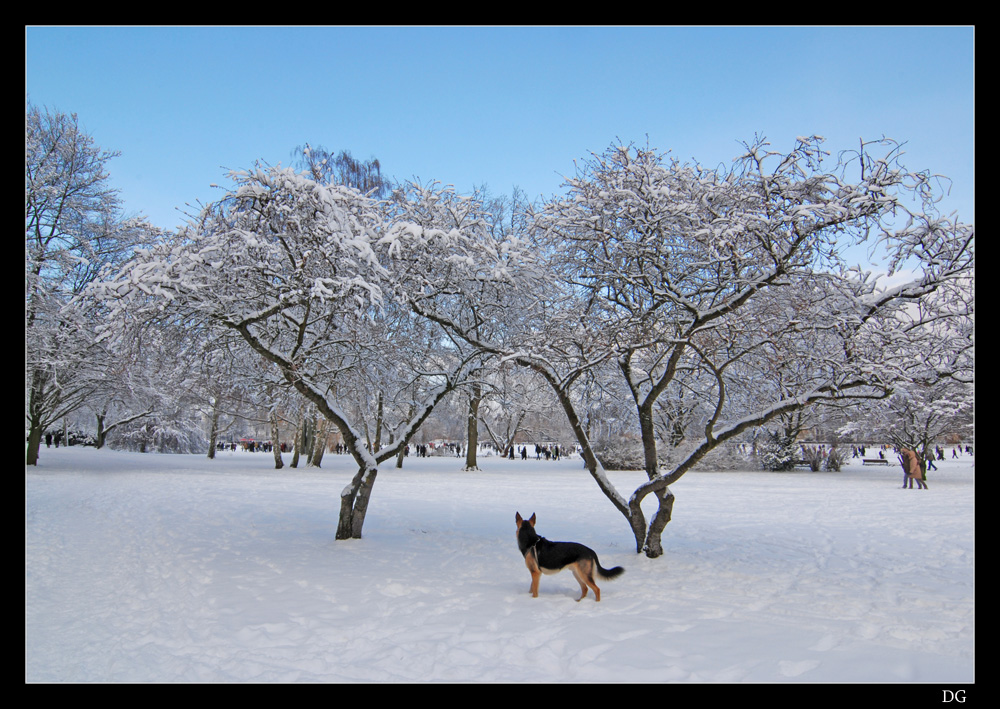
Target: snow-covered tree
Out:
[511,402]
[74,226]
[732,285]
[452,255]
[154,400]
[312,277]
[919,415]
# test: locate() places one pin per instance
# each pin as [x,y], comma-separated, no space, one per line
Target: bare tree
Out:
[343,168]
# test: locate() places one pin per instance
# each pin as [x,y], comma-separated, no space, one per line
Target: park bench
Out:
[874,461]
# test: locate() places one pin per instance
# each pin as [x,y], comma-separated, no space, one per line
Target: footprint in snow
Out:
[790,668]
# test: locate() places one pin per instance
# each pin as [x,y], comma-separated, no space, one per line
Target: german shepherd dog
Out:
[544,557]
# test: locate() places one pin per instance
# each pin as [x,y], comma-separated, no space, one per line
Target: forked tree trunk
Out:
[354,504]
[653,545]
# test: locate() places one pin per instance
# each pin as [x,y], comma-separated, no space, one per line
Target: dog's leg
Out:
[578,575]
[536,576]
[536,573]
[584,572]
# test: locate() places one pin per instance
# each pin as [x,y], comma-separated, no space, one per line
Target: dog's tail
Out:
[608,574]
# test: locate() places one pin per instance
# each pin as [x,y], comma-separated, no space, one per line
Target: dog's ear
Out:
[532,520]
[517,518]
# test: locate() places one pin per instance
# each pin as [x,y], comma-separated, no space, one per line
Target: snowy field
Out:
[156,568]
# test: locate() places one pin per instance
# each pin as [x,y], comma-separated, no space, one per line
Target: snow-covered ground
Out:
[142,568]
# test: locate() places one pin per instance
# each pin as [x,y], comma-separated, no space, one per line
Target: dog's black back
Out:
[553,556]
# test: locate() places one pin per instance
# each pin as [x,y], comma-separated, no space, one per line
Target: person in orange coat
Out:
[912,469]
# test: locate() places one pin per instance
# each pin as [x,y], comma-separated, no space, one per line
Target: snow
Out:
[159,568]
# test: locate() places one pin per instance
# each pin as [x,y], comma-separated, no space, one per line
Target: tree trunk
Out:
[34,442]
[653,545]
[354,504]
[647,433]
[213,435]
[377,443]
[275,443]
[101,433]
[297,445]
[319,444]
[650,540]
[472,442]
[308,435]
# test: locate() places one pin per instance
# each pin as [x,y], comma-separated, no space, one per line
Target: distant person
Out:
[912,470]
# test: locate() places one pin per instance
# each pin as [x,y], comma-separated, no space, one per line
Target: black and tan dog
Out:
[544,557]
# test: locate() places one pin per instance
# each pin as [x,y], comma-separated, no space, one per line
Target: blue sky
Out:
[496,106]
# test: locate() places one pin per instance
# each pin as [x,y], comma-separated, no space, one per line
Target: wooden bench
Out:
[874,461]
